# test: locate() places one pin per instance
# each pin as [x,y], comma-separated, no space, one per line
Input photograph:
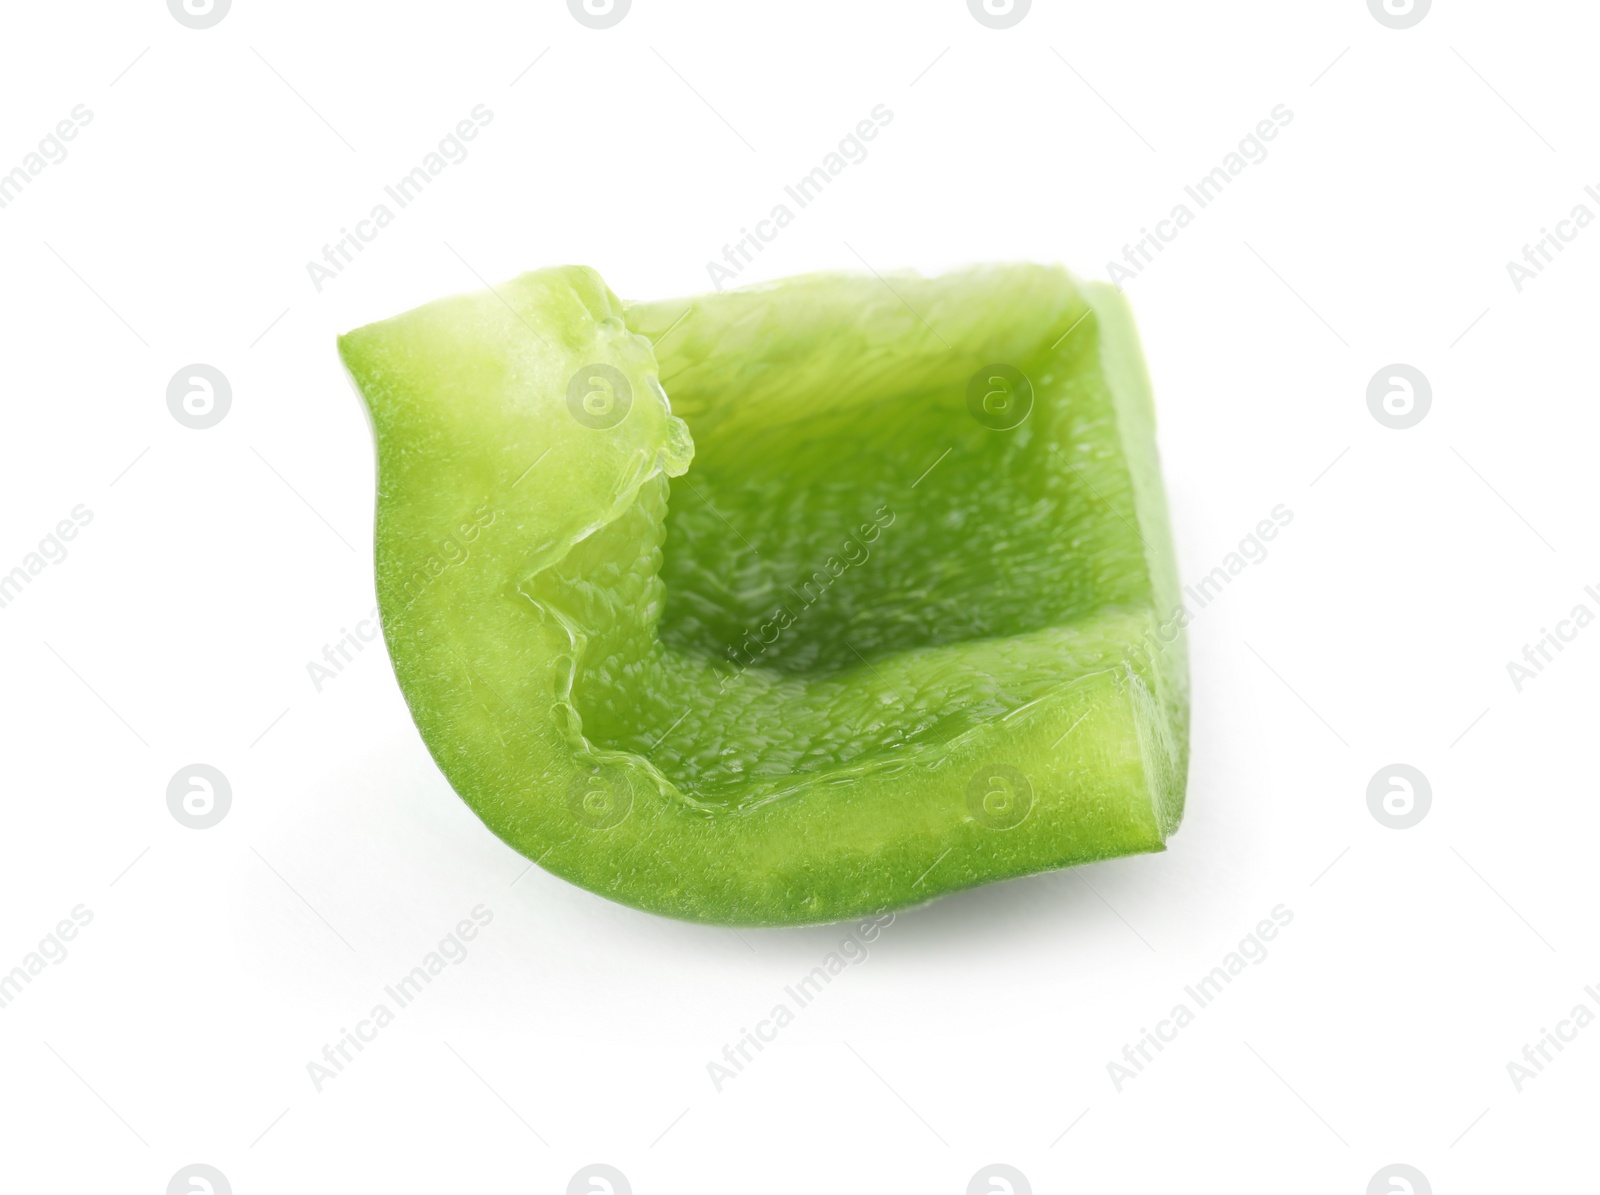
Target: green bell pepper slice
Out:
[880,605]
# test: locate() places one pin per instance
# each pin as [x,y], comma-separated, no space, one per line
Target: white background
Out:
[220,562]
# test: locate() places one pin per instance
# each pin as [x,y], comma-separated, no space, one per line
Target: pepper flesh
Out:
[818,638]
